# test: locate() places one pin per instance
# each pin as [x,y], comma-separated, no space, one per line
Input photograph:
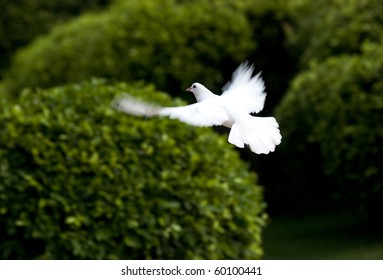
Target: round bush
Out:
[23,20]
[79,180]
[325,28]
[167,42]
[331,119]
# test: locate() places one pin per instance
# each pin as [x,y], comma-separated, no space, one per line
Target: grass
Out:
[340,236]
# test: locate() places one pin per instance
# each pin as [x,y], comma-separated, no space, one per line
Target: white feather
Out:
[245,91]
[204,113]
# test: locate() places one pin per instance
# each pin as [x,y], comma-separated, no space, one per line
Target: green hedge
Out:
[22,20]
[331,119]
[169,43]
[318,34]
[327,28]
[79,180]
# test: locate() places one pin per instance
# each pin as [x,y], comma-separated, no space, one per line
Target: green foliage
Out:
[166,42]
[326,28]
[331,118]
[80,180]
[23,20]
[320,34]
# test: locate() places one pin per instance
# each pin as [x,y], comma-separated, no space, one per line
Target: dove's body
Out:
[244,95]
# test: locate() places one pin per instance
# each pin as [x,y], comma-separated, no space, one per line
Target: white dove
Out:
[243,95]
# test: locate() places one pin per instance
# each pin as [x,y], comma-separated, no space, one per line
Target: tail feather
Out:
[261,134]
[235,136]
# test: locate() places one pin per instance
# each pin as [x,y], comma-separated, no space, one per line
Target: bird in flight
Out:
[241,97]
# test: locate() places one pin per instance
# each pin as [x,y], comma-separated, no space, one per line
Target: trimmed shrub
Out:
[169,43]
[333,27]
[23,20]
[79,180]
[331,122]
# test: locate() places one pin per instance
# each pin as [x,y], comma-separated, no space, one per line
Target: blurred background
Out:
[81,181]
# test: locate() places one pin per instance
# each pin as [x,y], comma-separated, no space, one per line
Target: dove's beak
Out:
[188,89]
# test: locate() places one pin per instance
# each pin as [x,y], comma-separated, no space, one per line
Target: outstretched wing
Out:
[130,105]
[205,113]
[244,90]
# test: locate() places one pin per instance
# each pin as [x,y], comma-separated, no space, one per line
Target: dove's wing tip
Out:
[130,105]
[116,102]
[246,66]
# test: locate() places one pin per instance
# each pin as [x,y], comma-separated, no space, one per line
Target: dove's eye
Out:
[194,86]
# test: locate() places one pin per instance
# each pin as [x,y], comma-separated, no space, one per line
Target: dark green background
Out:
[322,63]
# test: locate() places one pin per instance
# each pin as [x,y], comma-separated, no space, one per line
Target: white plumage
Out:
[243,95]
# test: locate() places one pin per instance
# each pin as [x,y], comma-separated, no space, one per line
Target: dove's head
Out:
[195,88]
[200,91]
